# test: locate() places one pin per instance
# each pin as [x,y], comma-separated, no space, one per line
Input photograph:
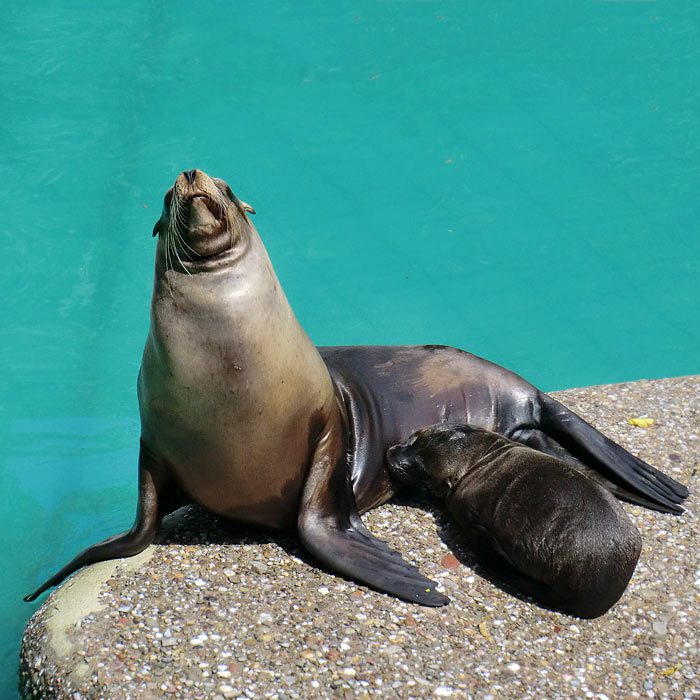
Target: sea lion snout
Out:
[196,184]
[407,466]
[433,455]
[191,183]
[396,457]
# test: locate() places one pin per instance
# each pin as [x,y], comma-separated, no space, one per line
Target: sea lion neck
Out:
[233,282]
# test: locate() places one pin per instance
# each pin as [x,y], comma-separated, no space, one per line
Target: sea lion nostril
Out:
[189,174]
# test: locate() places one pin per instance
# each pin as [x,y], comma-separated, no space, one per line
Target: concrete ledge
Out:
[213,613]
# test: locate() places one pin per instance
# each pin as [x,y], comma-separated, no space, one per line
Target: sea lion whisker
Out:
[168,263]
[185,244]
[171,239]
[177,254]
[174,236]
[179,215]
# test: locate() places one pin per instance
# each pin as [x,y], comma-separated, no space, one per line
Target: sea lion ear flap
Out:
[160,224]
[235,200]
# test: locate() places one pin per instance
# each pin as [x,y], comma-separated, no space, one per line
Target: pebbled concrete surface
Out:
[215,613]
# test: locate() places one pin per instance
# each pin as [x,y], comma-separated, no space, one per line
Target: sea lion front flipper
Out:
[331,529]
[153,483]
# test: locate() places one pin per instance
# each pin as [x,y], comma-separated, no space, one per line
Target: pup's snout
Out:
[395,455]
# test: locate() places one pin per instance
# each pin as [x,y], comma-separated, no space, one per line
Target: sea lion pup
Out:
[551,531]
[243,415]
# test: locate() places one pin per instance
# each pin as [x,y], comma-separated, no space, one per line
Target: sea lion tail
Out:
[595,450]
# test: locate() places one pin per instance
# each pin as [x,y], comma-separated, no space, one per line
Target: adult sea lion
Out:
[545,527]
[241,414]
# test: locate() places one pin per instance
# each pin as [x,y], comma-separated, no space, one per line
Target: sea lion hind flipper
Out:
[539,441]
[592,448]
[331,529]
[152,481]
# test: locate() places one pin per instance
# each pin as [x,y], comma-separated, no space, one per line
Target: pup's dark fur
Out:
[551,531]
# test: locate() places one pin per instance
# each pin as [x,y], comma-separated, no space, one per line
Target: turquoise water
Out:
[519,181]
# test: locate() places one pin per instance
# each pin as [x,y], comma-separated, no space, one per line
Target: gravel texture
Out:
[214,613]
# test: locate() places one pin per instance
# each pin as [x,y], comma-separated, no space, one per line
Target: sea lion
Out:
[241,414]
[545,527]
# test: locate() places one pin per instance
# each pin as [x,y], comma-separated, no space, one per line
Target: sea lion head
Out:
[434,458]
[203,222]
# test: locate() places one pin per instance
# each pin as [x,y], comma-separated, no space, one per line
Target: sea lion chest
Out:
[232,392]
